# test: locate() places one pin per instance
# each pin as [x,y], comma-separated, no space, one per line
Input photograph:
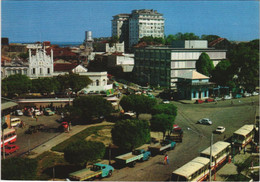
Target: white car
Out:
[220,129]
[205,121]
[37,112]
[255,93]
[18,113]
[166,102]
[247,94]
[227,97]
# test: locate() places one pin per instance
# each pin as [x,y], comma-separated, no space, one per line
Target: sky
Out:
[67,21]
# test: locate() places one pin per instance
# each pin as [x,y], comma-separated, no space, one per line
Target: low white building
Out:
[126,61]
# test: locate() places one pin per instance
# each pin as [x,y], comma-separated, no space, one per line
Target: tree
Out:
[186,36]
[244,59]
[137,103]
[130,134]
[169,109]
[24,55]
[45,85]
[17,84]
[82,152]
[169,39]
[209,38]
[204,65]
[19,169]
[74,81]
[162,123]
[90,106]
[221,74]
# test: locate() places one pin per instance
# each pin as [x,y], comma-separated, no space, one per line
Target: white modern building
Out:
[131,27]
[163,65]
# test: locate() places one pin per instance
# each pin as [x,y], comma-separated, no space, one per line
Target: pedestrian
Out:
[245,150]
[36,118]
[165,159]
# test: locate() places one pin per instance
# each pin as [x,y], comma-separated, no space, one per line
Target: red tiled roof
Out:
[64,66]
[214,42]
[4,58]
[60,51]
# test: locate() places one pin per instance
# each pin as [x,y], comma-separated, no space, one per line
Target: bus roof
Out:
[13,119]
[8,130]
[216,148]
[244,130]
[191,167]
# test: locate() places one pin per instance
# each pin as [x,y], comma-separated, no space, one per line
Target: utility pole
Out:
[210,162]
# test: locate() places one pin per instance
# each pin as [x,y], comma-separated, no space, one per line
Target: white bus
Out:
[15,121]
[220,152]
[243,135]
[195,170]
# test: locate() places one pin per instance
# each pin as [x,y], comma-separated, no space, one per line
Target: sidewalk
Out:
[230,168]
[62,137]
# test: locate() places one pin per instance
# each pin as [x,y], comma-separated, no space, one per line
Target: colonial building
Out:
[40,64]
[163,65]
[131,27]
[193,86]
[13,66]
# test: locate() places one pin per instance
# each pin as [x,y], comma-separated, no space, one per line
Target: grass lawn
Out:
[80,136]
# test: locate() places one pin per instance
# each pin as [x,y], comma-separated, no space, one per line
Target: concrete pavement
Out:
[60,138]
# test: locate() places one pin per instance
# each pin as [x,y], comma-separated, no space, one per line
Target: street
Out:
[195,140]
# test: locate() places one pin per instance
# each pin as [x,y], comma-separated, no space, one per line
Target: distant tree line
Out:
[18,84]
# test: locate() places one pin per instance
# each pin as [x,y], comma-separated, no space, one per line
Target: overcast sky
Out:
[67,21]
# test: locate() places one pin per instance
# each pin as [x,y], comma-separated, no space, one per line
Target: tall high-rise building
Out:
[120,27]
[131,27]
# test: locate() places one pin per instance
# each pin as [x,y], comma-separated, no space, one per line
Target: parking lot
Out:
[27,142]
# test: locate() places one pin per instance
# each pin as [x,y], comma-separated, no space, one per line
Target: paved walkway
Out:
[230,168]
[60,138]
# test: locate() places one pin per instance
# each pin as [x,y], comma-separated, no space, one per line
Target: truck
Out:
[98,170]
[131,157]
[162,147]
[176,134]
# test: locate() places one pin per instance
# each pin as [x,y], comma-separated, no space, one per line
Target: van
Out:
[15,122]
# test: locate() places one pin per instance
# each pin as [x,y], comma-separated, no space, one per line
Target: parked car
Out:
[247,94]
[205,121]
[238,96]
[37,112]
[218,99]
[18,113]
[255,93]
[48,112]
[10,148]
[166,102]
[220,129]
[227,97]
[209,100]
[199,101]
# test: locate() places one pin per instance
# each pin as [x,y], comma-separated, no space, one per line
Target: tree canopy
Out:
[130,134]
[81,152]
[244,59]
[74,81]
[19,169]
[221,74]
[169,109]
[86,107]
[204,64]
[16,84]
[45,85]
[137,103]
[162,123]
